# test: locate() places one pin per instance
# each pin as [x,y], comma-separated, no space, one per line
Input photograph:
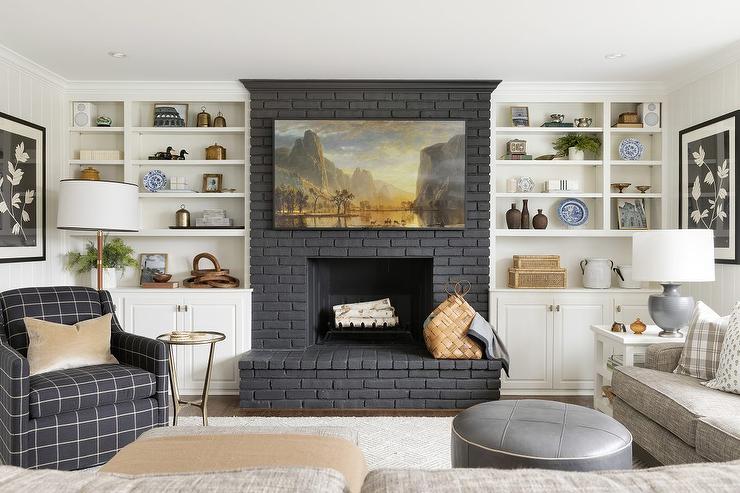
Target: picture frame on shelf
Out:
[22,190]
[708,182]
[172,115]
[152,264]
[632,214]
[213,182]
[520,116]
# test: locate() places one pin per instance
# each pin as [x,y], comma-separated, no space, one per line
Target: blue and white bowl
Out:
[573,212]
[631,149]
[155,180]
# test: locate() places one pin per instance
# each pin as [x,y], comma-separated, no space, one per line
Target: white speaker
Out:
[82,114]
[649,114]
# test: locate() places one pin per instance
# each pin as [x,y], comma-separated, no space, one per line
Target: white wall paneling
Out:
[712,95]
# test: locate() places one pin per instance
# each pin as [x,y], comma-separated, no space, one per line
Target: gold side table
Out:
[197,338]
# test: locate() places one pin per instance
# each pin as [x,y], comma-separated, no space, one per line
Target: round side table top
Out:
[196,337]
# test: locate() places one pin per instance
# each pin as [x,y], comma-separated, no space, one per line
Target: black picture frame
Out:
[22,209]
[276,226]
[703,205]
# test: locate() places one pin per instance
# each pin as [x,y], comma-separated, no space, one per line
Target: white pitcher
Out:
[624,273]
[597,273]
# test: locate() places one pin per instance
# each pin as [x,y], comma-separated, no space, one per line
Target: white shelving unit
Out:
[135,137]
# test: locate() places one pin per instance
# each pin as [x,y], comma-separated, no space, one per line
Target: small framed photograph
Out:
[213,182]
[151,264]
[170,115]
[520,116]
[632,214]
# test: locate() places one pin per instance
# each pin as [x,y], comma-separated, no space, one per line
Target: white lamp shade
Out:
[673,256]
[98,205]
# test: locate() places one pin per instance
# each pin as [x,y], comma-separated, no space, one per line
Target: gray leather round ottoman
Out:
[542,434]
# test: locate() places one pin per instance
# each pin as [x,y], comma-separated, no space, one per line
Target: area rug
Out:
[387,442]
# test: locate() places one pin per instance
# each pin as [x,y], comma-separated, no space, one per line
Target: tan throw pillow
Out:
[700,355]
[53,346]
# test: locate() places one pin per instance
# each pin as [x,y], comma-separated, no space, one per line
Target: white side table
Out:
[629,345]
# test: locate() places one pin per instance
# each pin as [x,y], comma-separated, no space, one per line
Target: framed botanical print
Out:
[709,182]
[22,190]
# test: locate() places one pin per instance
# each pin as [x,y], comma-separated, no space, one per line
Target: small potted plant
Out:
[574,145]
[116,255]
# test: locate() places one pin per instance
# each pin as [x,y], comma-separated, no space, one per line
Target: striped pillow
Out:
[700,356]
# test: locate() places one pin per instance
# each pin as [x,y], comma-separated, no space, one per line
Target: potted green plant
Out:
[116,255]
[575,145]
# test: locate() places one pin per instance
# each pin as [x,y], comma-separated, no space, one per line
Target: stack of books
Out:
[517,157]
[212,218]
[557,124]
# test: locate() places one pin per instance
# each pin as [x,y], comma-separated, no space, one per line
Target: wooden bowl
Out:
[621,186]
[162,277]
[643,188]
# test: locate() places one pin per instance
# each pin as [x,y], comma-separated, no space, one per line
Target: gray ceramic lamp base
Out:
[670,311]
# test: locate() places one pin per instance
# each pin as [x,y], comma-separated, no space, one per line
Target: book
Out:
[517,157]
[160,285]
[557,124]
[627,125]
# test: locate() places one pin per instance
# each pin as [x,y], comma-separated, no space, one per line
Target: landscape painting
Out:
[369,174]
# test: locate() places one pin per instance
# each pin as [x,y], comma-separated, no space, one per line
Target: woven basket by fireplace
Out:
[446,329]
[209,278]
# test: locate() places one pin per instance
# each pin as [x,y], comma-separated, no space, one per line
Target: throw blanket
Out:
[483,332]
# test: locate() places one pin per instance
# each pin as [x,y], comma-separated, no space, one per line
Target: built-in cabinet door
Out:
[628,307]
[220,313]
[152,315]
[573,339]
[525,324]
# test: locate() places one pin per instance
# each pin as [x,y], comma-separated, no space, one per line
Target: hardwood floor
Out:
[228,405]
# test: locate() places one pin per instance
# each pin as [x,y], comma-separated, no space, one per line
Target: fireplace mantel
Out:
[472,85]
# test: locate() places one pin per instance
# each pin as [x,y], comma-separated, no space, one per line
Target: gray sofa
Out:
[673,417]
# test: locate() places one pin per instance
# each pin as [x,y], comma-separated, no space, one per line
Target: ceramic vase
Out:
[110,280]
[513,218]
[539,221]
[525,214]
[575,154]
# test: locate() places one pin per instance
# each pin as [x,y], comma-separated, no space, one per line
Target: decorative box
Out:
[538,279]
[536,262]
[516,146]
[561,186]
[178,183]
[99,155]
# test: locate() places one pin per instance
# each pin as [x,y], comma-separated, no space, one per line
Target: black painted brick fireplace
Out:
[285,368]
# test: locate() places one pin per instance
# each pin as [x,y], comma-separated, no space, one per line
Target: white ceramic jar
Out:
[597,273]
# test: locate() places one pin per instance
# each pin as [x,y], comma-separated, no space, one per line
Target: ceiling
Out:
[514,40]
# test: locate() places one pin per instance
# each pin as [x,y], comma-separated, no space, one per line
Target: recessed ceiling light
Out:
[117,54]
[614,56]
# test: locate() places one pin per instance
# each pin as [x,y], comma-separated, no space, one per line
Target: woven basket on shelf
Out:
[555,278]
[536,262]
[446,332]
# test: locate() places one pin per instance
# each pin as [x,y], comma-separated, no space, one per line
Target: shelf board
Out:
[575,290]
[636,195]
[96,130]
[548,130]
[171,233]
[188,162]
[627,130]
[620,162]
[554,195]
[191,195]
[565,233]
[91,162]
[188,130]
[547,162]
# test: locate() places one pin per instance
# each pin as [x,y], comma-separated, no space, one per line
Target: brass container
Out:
[638,326]
[219,121]
[90,173]
[182,217]
[215,152]
[618,327]
[204,119]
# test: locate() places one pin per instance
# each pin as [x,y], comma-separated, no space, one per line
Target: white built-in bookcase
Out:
[132,132]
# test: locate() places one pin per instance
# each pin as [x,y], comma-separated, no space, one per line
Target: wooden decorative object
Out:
[446,333]
[209,278]
[629,118]
[538,279]
[536,262]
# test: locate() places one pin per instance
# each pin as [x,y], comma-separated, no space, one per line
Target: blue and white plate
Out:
[631,149]
[573,212]
[155,180]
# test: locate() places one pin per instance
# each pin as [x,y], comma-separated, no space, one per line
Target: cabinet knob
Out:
[550,308]
[184,308]
[619,308]
[557,308]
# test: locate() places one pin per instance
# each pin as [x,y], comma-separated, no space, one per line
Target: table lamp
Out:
[671,257]
[100,206]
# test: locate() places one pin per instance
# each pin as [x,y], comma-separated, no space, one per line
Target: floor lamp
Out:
[100,206]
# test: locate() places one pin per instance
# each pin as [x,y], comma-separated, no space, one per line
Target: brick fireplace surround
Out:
[286,368]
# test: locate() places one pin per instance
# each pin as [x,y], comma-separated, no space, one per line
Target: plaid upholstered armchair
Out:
[72,419]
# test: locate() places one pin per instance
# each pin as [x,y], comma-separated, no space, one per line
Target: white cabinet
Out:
[628,307]
[154,312]
[548,336]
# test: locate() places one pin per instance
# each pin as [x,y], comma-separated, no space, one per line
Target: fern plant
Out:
[582,142]
[116,255]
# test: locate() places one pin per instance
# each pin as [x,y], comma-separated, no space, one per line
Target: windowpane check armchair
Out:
[77,418]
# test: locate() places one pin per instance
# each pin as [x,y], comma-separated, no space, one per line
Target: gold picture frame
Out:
[151,264]
[213,182]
